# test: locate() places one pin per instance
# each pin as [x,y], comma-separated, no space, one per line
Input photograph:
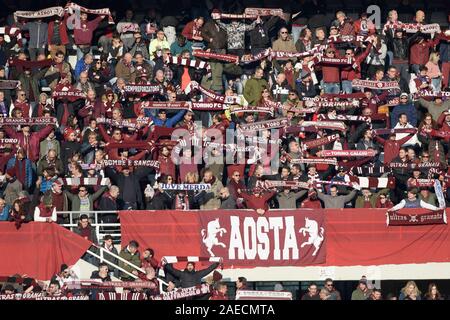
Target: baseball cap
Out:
[404,94]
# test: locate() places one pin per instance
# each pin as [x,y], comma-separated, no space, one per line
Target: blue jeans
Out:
[415,69]
[436,84]
[331,87]
[347,86]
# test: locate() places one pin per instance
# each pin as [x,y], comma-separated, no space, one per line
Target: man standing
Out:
[189,277]
[333,201]
[312,293]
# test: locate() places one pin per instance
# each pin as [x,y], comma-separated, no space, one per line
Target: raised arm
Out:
[205,272]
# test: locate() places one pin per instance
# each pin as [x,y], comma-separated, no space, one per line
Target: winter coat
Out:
[214,192]
[38,34]
[122,71]
[76,202]
[34,140]
[132,258]
[190,278]
[408,109]
[337,202]
[259,36]
[211,30]
[289,201]
[228,204]
[253,89]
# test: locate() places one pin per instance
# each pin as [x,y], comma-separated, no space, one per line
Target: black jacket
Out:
[119,180]
[68,149]
[259,36]
[228,204]
[192,278]
[398,46]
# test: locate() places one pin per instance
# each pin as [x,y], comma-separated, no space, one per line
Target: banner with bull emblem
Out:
[276,239]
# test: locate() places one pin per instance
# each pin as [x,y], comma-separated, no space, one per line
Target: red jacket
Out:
[256,203]
[83,35]
[62,31]
[166,166]
[311,204]
[350,73]
[190,30]
[419,53]
[34,141]
[392,147]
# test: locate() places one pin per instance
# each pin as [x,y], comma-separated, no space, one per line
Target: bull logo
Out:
[315,238]
[210,236]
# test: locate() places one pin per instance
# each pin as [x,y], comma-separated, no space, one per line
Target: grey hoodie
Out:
[38,34]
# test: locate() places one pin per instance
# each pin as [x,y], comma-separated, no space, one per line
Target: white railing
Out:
[101,229]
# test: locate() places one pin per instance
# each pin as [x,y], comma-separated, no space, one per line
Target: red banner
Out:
[38,249]
[352,236]
[241,238]
[396,218]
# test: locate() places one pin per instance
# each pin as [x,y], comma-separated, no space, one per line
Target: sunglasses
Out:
[82,190]
[330,52]
[283,32]
[348,53]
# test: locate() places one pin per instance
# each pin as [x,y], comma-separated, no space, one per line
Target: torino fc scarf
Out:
[126,123]
[348,153]
[28,121]
[184,105]
[21,64]
[73,7]
[332,104]
[97,283]
[375,85]
[311,144]
[197,64]
[39,14]
[215,56]
[341,117]
[194,85]
[393,131]
[9,84]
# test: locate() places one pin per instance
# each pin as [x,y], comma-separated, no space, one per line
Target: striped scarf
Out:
[197,64]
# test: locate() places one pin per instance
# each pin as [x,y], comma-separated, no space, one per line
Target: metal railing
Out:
[101,229]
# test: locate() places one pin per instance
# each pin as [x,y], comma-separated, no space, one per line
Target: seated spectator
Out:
[131,254]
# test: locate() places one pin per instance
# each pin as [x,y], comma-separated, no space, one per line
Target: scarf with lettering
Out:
[330,125]
[311,144]
[332,104]
[415,27]
[132,163]
[432,94]
[9,84]
[393,131]
[44,13]
[135,123]
[193,85]
[375,85]
[185,186]
[314,161]
[264,125]
[253,109]
[25,64]
[142,88]
[341,117]
[73,7]
[183,293]
[348,153]
[215,56]
[70,94]
[271,184]
[425,165]
[28,121]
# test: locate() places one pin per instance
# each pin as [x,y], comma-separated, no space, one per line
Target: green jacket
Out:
[359,295]
[75,199]
[134,259]
[253,89]
[373,199]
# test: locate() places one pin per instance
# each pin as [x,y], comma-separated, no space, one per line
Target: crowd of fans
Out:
[39,170]
[50,165]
